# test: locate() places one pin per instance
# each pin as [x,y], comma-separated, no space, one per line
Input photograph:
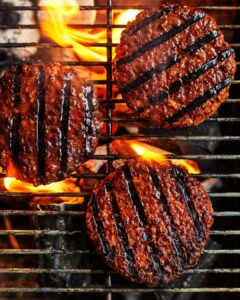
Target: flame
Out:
[55,24]
[66,186]
[153,153]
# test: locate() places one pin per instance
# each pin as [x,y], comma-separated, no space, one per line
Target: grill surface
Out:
[19,267]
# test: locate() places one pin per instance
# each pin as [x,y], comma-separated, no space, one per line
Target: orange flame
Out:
[56,26]
[66,186]
[153,153]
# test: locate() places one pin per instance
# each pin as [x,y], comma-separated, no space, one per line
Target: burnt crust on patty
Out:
[50,122]
[149,221]
[173,66]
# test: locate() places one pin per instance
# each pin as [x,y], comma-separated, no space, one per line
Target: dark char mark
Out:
[161,39]
[88,119]
[191,76]
[179,176]
[142,218]
[172,60]
[200,100]
[207,39]
[133,194]
[99,228]
[149,74]
[14,140]
[169,220]
[121,231]
[40,128]
[148,20]
[65,107]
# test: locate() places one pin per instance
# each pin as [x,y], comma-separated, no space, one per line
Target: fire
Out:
[66,186]
[153,153]
[55,24]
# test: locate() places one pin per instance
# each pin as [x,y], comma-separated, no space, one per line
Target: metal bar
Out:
[175,156]
[55,45]
[102,271]
[118,290]
[16,194]
[225,195]
[75,176]
[215,7]
[225,232]
[116,101]
[100,176]
[39,213]
[60,232]
[214,271]
[171,138]
[67,63]
[82,7]
[109,92]
[214,175]
[74,195]
[109,285]
[89,26]
[43,252]
[37,232]
[226,214]
[89,252]
[80,26]
[229,26]
[233,101]
[223,251]
[134,120]
[104,7]
[49,45]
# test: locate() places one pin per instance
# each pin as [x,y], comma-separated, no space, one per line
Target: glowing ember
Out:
[56,26]
[153,153]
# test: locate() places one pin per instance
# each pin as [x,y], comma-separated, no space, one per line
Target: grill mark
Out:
[193,105]
[148,20]
[171,61]
[121,231]
[88,119]
[195,74]
[134,197]
[208,38]
[161,39]
[168,218]
[149,74]
[191,76]
[142,218]
[14,139]
[40,128]
[99,228]
[190,205]
[64,118]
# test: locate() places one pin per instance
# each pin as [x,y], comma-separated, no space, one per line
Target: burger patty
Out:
[50,122]
[149,221]
[173,66]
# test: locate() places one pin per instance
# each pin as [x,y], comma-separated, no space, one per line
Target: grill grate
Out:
[223,277]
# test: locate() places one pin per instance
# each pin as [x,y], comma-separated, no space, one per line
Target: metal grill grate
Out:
[19,267]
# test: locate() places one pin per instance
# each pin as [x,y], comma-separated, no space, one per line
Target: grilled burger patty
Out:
[50,122]
[150,222]
[173,66]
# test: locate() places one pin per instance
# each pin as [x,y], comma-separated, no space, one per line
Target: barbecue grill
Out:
[19,266]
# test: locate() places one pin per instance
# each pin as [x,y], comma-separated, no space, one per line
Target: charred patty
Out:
[150,222]
[50,122]
[173,66]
